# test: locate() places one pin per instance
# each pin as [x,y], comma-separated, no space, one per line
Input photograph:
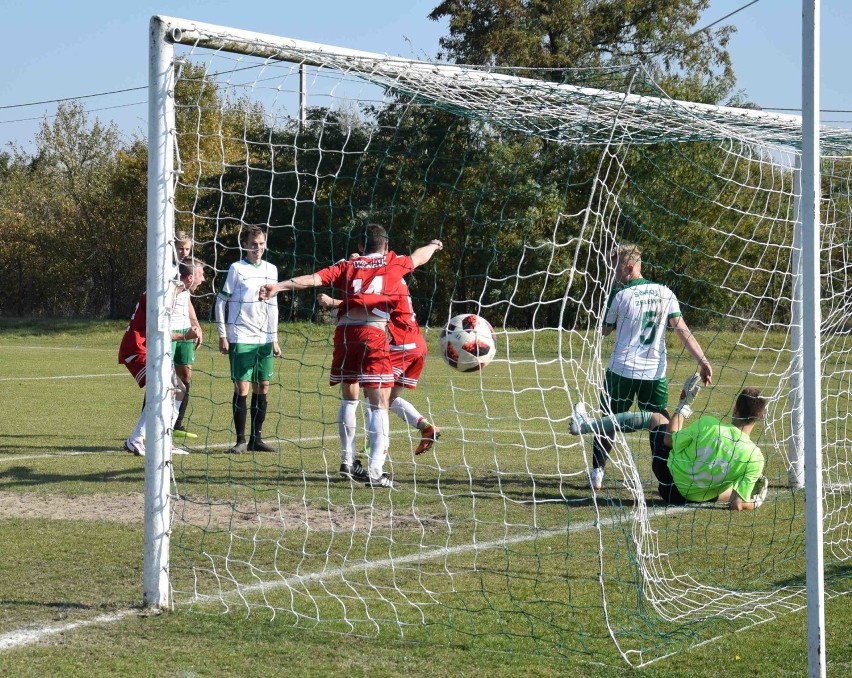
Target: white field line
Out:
[342,572]
[58,455]
[199,449]
[65,376]
[30,635]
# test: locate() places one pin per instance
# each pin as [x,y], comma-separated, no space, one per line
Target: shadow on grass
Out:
[24,476]
[57,449]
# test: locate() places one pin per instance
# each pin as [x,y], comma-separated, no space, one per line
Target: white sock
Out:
[377,428]
[347,424]
[138,435]
[406,411]
[175,410]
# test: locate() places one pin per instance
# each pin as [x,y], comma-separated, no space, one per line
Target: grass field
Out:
[485,562]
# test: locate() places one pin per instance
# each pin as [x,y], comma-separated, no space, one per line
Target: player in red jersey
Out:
[133,351]
[408,353]
[361,351]
[408,356]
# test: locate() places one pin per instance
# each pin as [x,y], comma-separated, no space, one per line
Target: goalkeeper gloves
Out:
[690,389]
[758,494]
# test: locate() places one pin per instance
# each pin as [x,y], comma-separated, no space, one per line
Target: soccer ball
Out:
[468,342]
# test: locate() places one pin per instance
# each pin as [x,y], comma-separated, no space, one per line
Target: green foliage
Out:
[73,221]
[559,35]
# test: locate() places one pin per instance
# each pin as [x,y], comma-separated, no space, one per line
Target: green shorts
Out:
[251,362]
[652,394]
[183,351]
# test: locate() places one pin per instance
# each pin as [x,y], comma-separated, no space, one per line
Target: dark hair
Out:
[187,266]
[375,238]
[750,406]
[251,232]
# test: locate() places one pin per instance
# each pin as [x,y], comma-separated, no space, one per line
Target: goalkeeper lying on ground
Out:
[705,461]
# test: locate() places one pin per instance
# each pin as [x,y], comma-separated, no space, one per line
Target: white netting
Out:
[494,536]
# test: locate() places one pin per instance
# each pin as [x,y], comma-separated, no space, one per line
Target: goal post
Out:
[161,275]
[530,179]
[811,172]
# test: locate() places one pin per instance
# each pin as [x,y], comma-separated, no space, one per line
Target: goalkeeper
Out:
[705,461]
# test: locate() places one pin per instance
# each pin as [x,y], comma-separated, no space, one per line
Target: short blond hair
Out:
[628,251]
[182,237]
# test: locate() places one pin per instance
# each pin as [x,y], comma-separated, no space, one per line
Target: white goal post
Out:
[615,123]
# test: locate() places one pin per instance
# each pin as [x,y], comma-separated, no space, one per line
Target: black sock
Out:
[182,410]
[600,451]
[258,414]
[239,405]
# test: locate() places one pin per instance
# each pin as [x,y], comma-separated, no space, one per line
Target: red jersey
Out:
[133,341]
[366,285]
[403,327]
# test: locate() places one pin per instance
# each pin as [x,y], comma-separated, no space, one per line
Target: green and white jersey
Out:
[240,315]
[709,457]
[179,320]
[640,311]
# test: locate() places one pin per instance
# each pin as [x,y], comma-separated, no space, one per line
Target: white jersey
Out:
[640,312]
[180,310]
[240,315]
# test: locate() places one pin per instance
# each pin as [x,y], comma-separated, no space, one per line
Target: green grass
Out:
[505,465]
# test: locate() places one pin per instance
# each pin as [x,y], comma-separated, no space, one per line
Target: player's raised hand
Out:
[706,372]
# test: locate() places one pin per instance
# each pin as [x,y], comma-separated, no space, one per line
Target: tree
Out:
[559,35]
[73,221]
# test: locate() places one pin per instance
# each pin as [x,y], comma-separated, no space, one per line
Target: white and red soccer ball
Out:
[468,342]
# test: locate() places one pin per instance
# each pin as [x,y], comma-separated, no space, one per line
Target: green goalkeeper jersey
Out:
[709,457]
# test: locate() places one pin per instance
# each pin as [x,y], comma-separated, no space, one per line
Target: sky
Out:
[55,49]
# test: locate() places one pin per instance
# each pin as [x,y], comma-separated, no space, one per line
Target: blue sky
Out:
[56,48]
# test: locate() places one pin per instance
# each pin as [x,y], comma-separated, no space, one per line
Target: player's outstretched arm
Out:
[423,254]
[690,343]
[302,282]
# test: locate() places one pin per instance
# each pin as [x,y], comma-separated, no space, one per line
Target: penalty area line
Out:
[444,552]
[27,636]
[15,639]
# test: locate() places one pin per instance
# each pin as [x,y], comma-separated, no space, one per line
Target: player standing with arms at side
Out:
[183,350]
[248,335]
[639,312]
[133,352]
[361,350]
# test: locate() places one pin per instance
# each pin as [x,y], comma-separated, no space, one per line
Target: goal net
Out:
[530,179]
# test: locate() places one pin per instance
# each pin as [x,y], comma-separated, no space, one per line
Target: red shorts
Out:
[136,365]
[408,361]
[361,356]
